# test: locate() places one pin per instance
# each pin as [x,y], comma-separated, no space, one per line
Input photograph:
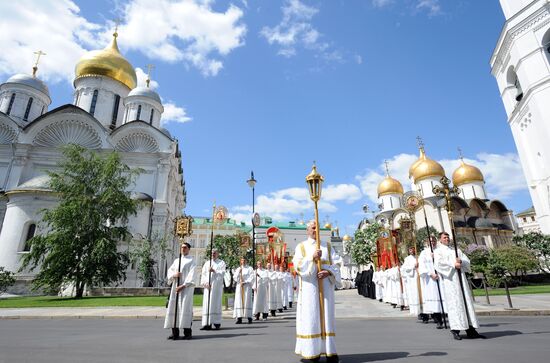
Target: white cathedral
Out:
[521,65]
[476,219]
[109,112]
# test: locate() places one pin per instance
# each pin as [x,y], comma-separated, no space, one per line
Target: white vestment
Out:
[185,296]
[445,265]
[378,288]
[430,293]
[397,286]
[284,288]
[289,287]
[260,286]
[279,289]
[216,282]
[408,270]
[272,290]
[312,338]
[244,277]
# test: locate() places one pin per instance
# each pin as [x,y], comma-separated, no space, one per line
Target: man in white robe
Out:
[409,270]
[429,279]
[460,305]
[315,328]
[212,282]
[272,289]
[244,277]
[279,287]
[260,286]
[285,281]
[184,289]
[289,286]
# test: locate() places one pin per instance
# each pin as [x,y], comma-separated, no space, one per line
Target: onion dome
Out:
[30,81]
[107,62]
[328,226]
[145,92]
[466,174]
[389,186]
[346,238]
[425,167]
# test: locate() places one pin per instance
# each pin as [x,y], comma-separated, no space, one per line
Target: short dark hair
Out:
[186,244]
[443,234]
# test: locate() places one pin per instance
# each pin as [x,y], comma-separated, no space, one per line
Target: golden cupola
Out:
[107,62]
[425,167]
[466,173]
[389,186]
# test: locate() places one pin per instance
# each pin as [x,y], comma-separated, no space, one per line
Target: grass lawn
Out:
[520,290]
[55,301]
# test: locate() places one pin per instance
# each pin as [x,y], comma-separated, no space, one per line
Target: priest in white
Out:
[289,288]
[244,277]
[285,281]
[315,328]
[260,286]
[212,282]
[429,279]
[279,287]
[460,305]
[409,269]
[272,289]
[184,289]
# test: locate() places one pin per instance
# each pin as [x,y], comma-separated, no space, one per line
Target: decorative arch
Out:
[137,142]
[7,135]
[68,132]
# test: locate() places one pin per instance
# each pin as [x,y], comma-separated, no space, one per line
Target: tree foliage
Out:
[508,262]
[6,279]
[540,244]
[423,233]
[83,230]
[229,249]
[146,253]
[363,245]
[479,257]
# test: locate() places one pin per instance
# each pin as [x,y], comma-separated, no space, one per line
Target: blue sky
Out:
[271,86]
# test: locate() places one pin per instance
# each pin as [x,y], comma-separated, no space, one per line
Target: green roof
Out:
[526,212]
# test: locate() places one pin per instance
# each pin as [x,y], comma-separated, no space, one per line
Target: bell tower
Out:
[521,66]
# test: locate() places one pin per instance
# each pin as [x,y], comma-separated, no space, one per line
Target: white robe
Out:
[216,281]
[279,289]
[408,270]
[445,265]
[260,286]
[430,294]
[272,290]
[284,288]
[289,288]
[185,296]
[378,287]
[311,340]
[244,277]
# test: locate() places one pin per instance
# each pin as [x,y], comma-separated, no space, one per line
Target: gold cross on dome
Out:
[420,143]
[460,155]
[148,80]
[35,66]
[387,168]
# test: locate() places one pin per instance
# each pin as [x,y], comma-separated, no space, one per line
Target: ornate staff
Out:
[412,202]
[314,181]
[433,261]
[183,229]
[396,256]
[218,214]
[448,192]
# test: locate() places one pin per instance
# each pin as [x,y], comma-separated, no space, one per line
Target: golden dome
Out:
[107,62]
[425,167]
[328,225]
[389,186]
[346,238]
[466,174]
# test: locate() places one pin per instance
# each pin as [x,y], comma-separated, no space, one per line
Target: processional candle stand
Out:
[183,229]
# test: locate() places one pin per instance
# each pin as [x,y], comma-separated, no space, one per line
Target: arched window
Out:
[513,81]
[546,44]
[77,98]
[30,234]
[10,105]
[138,113]
[29,105]
[94,101]
[151,117]
[115,112]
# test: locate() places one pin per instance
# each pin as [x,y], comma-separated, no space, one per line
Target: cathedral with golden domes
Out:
[109,112]
[476,219]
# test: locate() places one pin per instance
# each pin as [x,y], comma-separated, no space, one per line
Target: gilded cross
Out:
[35,66]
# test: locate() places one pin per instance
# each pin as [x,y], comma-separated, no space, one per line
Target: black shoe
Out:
[290,304]
[333,359]
[472,333]
[206,327]
[273,313]
[249,320]
[175,334]
[257,316]
[280,310]
[455,334]
[313,360]
[217,326]
[264,316]
[439,326]
[239,321]
[187,334]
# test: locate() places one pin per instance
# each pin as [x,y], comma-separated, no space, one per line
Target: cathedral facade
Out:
[476,219]
[109,113]
[521,67]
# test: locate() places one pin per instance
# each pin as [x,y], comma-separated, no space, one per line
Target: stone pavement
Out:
[348,305]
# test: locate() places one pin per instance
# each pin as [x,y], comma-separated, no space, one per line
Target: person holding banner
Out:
[184,292]
[212,308]
[315,327]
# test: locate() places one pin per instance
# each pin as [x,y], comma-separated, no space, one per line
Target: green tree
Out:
[540,244]
[479,260]
[423,233]
[229,248]
[363,245]
[84,229]
[146,253]
[6,279]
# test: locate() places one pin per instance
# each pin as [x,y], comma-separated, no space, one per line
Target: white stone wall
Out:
[23,93]
[512,7]
[473,190]
[132,104]
[390,202]
[426,186]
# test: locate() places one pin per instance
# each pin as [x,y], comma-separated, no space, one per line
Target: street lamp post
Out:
[252,183]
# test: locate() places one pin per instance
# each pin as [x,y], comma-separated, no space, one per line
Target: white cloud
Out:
[173,113]
[432,6]
[188,30]
[289,203]
[53,26]
[381,3]
[358,59]
[295,30]
[142,77]
[497,170]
